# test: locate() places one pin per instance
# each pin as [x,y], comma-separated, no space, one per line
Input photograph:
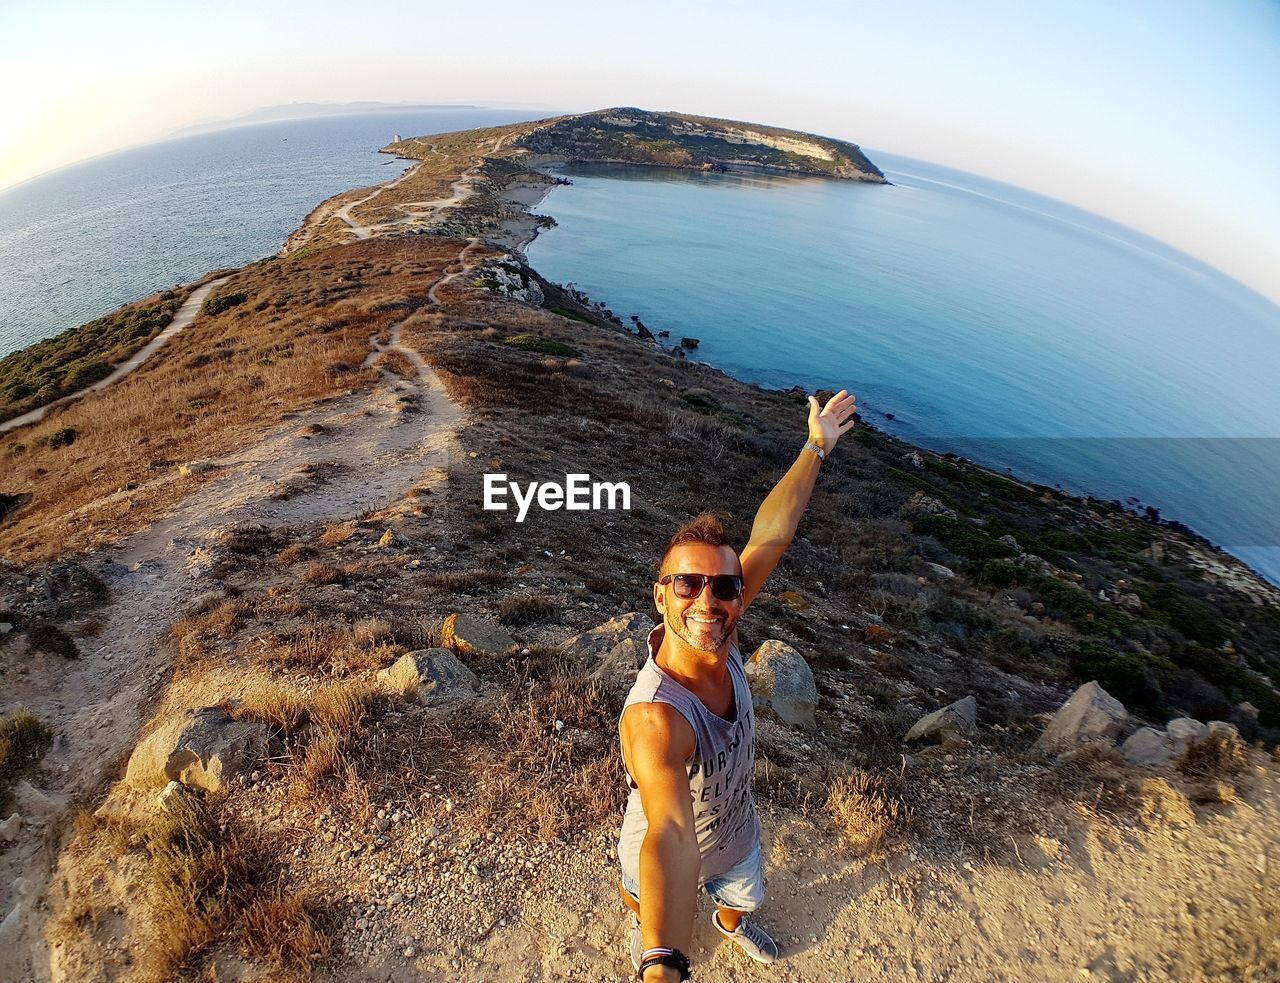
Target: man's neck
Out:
[691,667]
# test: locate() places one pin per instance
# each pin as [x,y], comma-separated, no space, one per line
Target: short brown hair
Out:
[704,528]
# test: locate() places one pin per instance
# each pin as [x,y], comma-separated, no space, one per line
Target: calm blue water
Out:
[993,322]
[80,242]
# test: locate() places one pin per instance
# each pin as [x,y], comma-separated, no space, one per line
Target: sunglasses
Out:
[687,586]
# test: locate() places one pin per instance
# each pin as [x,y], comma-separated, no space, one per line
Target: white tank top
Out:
[720,771]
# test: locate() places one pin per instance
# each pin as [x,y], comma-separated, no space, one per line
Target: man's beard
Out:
[695,636]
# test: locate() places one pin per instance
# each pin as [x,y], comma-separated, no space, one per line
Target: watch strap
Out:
[811,446]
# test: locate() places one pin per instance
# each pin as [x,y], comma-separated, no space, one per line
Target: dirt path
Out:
[183,319]
[364,231]
[361,451]
[415,211]
[1187,900]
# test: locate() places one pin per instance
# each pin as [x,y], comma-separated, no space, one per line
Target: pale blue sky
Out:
[1160,115]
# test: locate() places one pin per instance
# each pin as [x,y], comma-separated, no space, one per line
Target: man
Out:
[687,729]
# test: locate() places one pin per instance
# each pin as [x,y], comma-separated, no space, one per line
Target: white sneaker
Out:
[637,942]
[750,938]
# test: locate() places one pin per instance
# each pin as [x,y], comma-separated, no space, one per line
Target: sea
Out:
[968,315]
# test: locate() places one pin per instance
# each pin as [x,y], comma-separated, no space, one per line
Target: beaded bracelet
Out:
[662,956]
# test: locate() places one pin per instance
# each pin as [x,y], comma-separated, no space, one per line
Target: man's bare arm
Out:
[657,741]
[779,514]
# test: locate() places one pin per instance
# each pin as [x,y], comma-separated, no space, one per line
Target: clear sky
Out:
[1160,114]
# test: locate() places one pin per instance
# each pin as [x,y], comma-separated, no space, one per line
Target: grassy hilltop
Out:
[287,499]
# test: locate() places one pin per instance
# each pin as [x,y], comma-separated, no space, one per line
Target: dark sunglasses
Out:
[725,586]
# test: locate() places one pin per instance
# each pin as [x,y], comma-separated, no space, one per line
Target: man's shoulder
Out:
[657,724]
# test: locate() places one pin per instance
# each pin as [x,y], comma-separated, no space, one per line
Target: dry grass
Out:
[23,738]
[535,781]
[195,633]
[290,344]
[397,363]
[1218,754]
[338,706]
[191,867]
[522,609]
[337,532]
[322,573]
[295,553]
[286,929]
[460,581]
[1160,805]
[335,650]
[867,812]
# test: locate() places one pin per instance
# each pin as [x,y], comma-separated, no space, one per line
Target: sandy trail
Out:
[360,451]
[416,211]
[183,319]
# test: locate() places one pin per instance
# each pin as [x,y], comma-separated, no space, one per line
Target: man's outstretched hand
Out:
[827,424]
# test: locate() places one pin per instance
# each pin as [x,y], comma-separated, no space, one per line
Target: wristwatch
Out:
[811,446]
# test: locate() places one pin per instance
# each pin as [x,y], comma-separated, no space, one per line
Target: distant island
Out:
[309,110]
[509,164]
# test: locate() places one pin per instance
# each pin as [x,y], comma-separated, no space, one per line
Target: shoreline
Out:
[1222,559]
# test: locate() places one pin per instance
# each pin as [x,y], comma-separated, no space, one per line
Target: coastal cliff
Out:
[300,706]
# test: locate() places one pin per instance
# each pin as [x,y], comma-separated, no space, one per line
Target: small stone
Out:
[10,828]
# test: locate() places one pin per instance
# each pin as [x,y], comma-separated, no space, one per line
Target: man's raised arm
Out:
[779,514]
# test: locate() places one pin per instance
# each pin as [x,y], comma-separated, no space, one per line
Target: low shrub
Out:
[23,737]
[222,302]
[62,437]
[541,346]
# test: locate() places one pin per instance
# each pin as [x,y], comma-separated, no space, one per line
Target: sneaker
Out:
[750,938]
[637,942]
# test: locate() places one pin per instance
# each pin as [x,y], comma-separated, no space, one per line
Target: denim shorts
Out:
[741,888]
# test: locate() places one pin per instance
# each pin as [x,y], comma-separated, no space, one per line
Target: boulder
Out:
[430,676]
[1092,714]
[1183,732]
[11,828]
[589,648]
[781,679]
[951,724]
[1147,747]
[469,635]
[202,749]
[1223,730]
[616,669]
[938,572]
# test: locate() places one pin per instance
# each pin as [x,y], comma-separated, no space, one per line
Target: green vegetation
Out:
[62,437]
[222,302]
[59,366]
[486,282]
[571,315]
[539,345]
[962,537]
